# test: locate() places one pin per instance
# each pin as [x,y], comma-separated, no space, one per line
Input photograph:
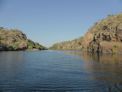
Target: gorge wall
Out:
[104,37]
[13,39]
[69,45]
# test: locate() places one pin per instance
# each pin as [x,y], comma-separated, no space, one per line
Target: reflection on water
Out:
[101,58]
[105,67]
[57,71]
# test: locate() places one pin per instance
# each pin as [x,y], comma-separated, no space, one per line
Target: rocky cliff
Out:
[105,36]
[12,40]
[69,45]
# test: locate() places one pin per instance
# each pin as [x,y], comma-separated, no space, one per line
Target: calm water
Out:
[59,71]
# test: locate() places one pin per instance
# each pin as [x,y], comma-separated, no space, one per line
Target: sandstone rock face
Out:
[16,40]
[105,36]
[69,45]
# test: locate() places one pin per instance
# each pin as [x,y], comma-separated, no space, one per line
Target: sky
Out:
[51,21]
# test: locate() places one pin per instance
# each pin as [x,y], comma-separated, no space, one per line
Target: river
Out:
[59,71]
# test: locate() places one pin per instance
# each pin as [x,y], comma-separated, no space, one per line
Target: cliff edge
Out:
[105,36]
[13,39]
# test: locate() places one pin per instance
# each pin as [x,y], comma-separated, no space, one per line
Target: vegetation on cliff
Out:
[68,45]
[104,37]
[13,39]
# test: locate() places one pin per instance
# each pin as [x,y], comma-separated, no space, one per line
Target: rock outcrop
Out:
[12,40]
[69,45]
[105,36]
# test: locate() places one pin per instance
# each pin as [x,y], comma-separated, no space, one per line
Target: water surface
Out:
[59,71]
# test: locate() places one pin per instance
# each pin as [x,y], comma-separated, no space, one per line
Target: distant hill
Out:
[104,37]
[13,39]
[69,45]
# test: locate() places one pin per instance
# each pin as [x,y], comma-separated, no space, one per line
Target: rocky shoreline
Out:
[15,40]
[104,37]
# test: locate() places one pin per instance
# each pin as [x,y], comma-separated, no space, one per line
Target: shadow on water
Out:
[104,67]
